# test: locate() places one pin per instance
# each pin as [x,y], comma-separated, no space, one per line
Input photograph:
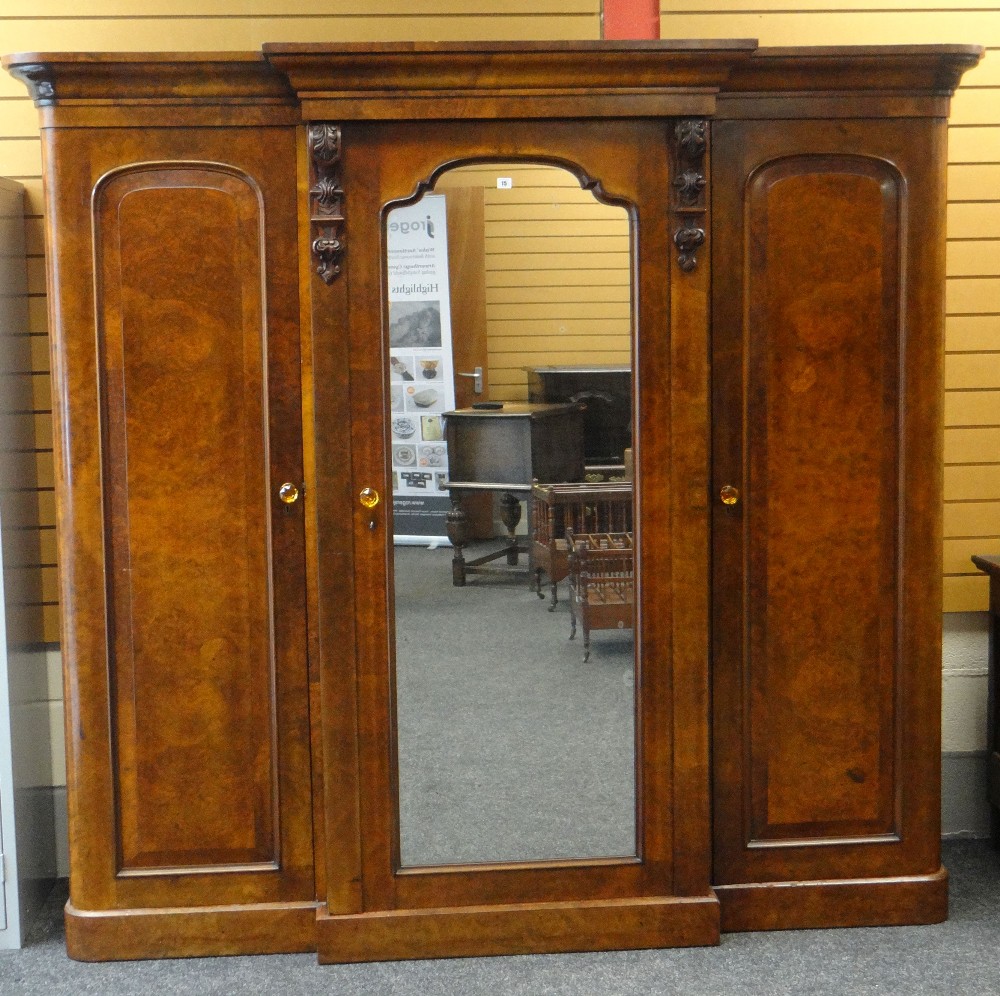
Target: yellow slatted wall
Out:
[972,400]
[557,273]
[18,430]
[208,25]
[524,301]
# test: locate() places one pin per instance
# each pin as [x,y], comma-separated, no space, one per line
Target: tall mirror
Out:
[510,353]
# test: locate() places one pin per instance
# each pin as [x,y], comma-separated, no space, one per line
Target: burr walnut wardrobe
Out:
[218,305]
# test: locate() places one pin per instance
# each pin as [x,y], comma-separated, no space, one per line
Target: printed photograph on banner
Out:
[431,428]
[416,480]
[404,456]
[403,427]
[424,399]
[400,367]
[431,455]
[429,367]
[414,323]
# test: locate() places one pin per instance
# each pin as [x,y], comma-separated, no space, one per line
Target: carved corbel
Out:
[688,242]
[689,186]
[38,79]
[692,139]
[689,201]
[326,201]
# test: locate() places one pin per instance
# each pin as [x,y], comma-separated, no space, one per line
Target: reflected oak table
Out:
[503,448]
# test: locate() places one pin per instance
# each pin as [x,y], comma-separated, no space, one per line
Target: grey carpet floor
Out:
[511,748]
[956,958]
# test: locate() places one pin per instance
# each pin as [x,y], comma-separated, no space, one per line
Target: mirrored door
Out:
[505,757]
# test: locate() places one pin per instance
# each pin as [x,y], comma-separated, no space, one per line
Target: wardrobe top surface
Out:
[662,46]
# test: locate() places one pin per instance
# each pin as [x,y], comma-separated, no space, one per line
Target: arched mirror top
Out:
[445,173]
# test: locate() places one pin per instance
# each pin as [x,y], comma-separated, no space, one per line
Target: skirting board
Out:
[964,809]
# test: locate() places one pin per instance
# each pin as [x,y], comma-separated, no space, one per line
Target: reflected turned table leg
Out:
[510,516]
[457,525]
[460,530]
[991,565]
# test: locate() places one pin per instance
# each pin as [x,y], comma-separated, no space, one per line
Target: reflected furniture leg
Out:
[457,525]
[571,569]
[510,516]
[460,527]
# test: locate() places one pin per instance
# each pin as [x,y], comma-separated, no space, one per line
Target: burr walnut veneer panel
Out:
[822,476]
[177,378]
[181,335]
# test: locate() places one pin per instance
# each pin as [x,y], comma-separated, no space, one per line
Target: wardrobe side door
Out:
[826,574]
[178,387]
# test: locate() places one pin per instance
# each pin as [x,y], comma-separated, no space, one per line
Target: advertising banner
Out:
[422,382]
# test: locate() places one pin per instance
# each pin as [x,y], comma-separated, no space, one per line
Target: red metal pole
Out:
[631,19]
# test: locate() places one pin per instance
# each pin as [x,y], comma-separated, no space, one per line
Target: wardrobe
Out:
[218,298]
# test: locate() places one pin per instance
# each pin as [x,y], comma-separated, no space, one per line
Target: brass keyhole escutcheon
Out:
[729,495]
[369,497]
[288,493]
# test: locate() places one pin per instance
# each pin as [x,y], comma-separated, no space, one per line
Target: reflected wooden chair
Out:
[584,508]
[601,582]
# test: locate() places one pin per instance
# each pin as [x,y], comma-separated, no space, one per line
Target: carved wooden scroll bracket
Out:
[689,203]
[326,200]
[38,79]
[688,242]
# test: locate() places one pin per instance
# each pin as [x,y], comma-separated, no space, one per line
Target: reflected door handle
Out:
[477,379]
